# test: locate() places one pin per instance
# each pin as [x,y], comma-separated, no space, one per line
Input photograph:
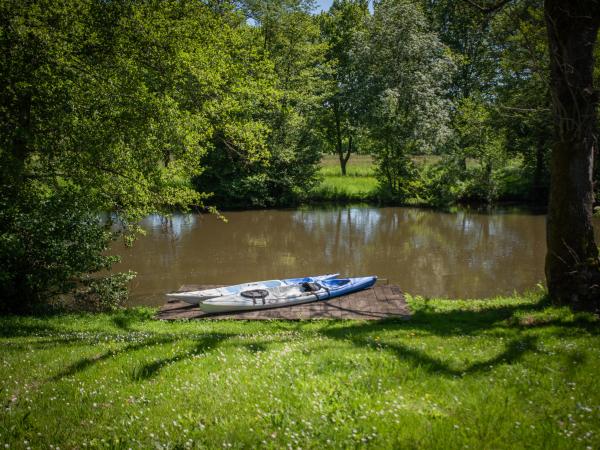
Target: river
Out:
[464,254]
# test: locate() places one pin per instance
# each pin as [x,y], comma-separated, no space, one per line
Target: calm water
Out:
[464,254]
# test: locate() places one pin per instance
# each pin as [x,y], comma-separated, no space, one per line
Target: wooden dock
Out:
[376,303]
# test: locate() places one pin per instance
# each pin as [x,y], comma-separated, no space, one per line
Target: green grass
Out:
[358,185]
[503,373]
[358,166]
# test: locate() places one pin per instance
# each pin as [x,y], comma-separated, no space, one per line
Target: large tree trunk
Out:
[538,188]
[572,264]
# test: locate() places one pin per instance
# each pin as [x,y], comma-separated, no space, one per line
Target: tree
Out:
[104,106]
[277,67]
[466,32]
[339,28]
[404,73]
[523,102]
[572,263]
[483,142]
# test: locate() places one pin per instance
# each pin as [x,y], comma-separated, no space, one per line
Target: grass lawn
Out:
[503,373]
[359,184]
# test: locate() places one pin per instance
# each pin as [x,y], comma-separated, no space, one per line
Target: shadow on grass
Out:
[44,343]
[15,326]
[512,353]
[84,363]
[203,345]
[519,325]
[427,321]
[254,347]
[51,323]
[125,318]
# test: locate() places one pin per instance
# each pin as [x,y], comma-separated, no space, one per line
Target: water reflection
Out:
[462,254]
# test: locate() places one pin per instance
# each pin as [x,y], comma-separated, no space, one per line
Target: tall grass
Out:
[503,373]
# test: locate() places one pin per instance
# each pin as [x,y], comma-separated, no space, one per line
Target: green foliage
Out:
[440,183]
[340,119]
[403,88]
[269,159]
[523,97]
[465,30]
[482,142]
[108,106]
[501,88]
[49,239]
[396,174]
[107,293]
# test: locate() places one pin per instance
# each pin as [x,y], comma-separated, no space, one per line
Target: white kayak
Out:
[276,297]
[197,297]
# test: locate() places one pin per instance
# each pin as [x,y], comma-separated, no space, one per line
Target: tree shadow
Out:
[513,352]
[84,363]
[427,321]
[124,318]
[122,322]
[45,343]
[14,326]
[205,344]
[254,347]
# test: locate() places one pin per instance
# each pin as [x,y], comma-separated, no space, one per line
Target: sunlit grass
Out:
[358,166]
[504,373]
[358,185]
[349,188]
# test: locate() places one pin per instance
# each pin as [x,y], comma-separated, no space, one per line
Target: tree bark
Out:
[537,188]
[572,264]
[345,157]
[343,162]
[339,140]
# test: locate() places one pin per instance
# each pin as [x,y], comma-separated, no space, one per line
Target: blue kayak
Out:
[197,297]
[276,297]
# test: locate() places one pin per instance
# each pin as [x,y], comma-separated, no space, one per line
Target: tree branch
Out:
[488,9]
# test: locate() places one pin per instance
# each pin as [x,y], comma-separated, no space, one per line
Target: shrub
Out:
[49,241]
[104,294]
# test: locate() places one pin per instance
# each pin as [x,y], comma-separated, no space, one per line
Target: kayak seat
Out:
[308,286]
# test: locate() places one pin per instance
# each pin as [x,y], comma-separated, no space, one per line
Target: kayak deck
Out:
[379,302]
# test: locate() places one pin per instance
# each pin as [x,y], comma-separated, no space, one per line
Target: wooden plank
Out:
[379,302]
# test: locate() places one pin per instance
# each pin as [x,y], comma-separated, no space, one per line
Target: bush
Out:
[284,179]
[104,294]
[447,182]
[440,184]
[397,176]
[49,241]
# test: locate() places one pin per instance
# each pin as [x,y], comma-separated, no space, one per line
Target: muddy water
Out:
[464,254]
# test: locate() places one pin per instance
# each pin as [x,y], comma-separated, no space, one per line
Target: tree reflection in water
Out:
[461,254]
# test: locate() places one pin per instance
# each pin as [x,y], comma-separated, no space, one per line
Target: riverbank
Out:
[504,373]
